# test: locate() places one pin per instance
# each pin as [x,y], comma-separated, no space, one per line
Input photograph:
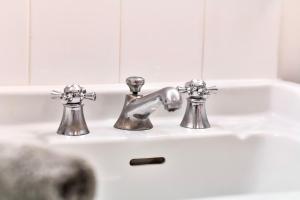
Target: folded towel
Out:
[33,173]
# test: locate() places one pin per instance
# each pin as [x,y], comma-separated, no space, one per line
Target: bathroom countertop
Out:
[103,131]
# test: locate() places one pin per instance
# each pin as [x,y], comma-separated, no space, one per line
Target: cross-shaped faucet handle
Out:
[73,94]
[197,89]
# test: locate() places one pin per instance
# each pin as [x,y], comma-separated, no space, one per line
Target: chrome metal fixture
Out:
[137,108]
[195,115]
[73,121]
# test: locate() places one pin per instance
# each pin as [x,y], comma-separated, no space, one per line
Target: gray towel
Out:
[33,173]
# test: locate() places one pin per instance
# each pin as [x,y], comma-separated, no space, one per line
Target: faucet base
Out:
[133,124]
[195,115]
[73,122]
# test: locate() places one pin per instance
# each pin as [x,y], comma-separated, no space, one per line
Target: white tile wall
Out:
[241,39]
[13,42]
[75,41]
[162,39]
[290,41]
[104,41]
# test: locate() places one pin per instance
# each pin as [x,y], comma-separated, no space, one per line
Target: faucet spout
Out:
[144,106]
[137,108]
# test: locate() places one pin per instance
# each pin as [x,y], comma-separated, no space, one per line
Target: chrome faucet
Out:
[73,121]
[195,115]
[137,108]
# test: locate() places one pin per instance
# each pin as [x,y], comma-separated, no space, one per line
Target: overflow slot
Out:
[147,161]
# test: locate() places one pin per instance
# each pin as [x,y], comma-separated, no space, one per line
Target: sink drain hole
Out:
[147,161]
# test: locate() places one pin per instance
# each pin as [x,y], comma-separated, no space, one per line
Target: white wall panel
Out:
[75,41]
[13,42]
[241,39]
[162,39]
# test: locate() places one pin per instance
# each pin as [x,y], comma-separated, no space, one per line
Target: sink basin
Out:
[251,152]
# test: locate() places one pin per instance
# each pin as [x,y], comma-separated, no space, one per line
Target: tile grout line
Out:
[281,21]
[29,41]
[120,40]
[203,39]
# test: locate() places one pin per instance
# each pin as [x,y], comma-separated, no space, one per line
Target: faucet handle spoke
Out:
[56,94]
[182,89]
[91,96]
[213,90]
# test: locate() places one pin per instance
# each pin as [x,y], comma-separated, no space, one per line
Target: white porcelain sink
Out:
[252,150]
